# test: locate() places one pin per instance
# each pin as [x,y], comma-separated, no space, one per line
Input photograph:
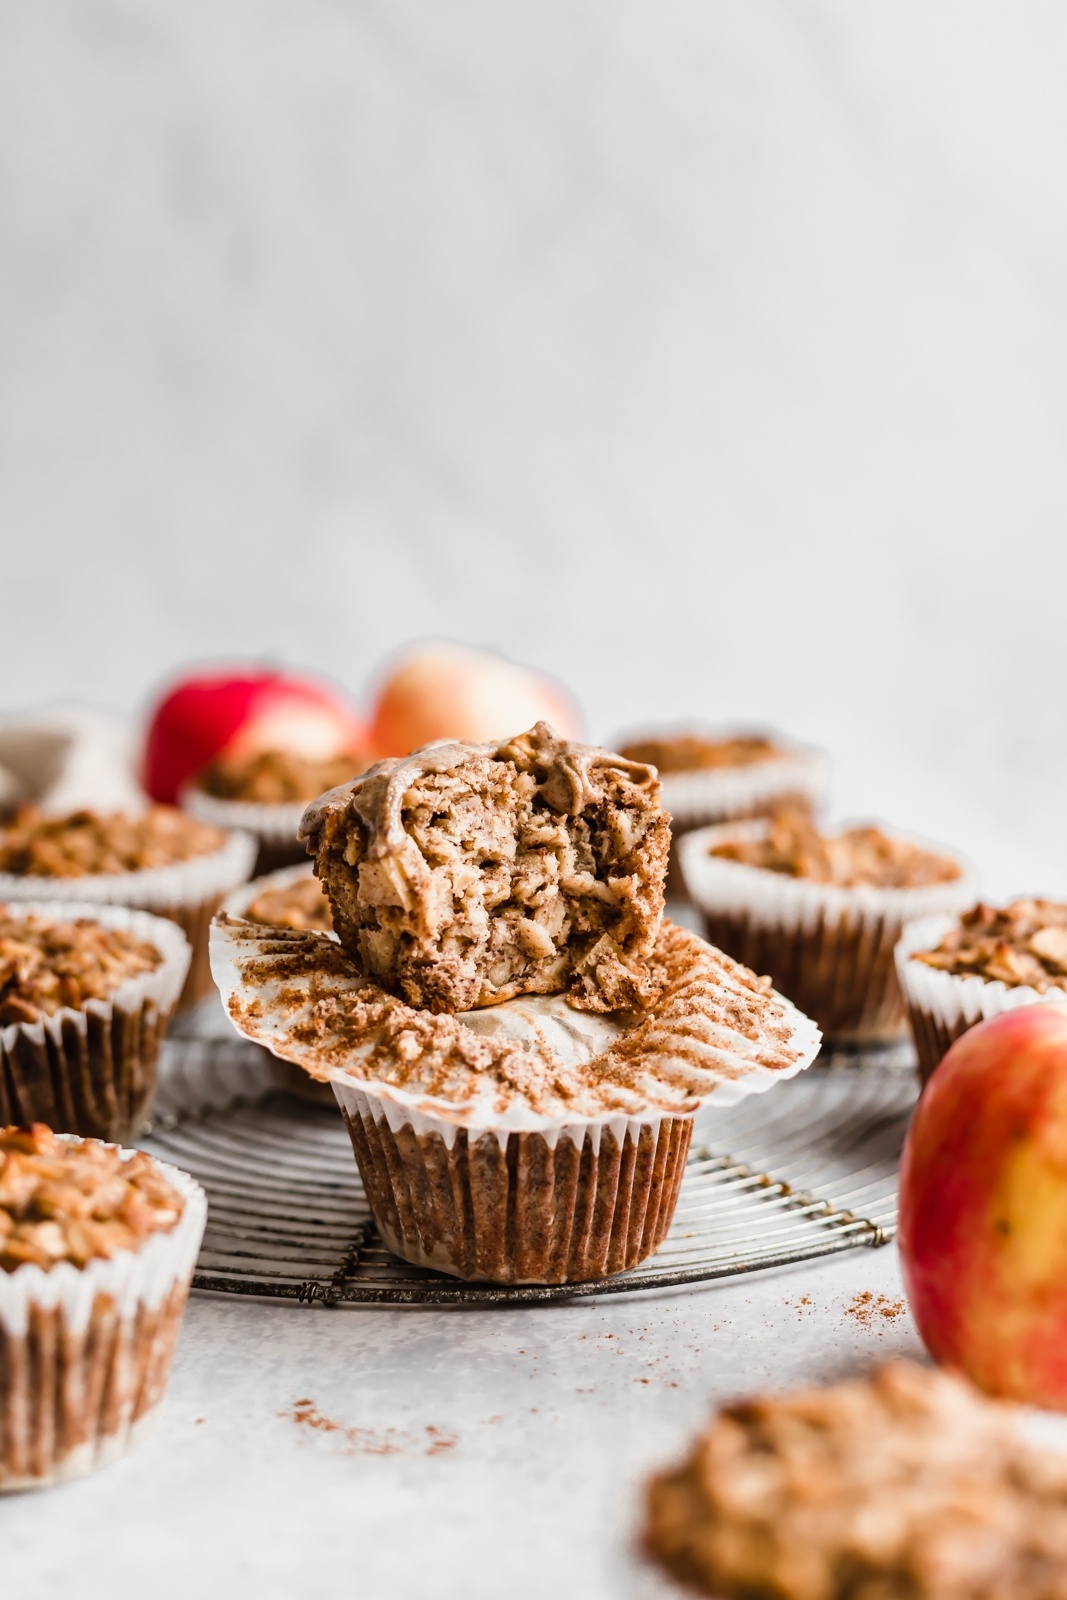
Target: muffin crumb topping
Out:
[1024,942]
[689,752]
[905,1484]
[46,965]
[301,906]
[792,845]
[76,1200]
[87,843]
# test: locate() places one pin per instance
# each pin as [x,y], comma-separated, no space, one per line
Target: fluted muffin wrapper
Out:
[186,892]
[942,1006]
[722,794]
[572,1202]
[92,1070]
[273,826]
[85,1352]
[829,949]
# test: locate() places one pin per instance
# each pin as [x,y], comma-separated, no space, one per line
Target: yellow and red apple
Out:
[440,691]
[241,713]
[983,1207]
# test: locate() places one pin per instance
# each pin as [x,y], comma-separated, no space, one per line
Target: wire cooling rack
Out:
[806,1170]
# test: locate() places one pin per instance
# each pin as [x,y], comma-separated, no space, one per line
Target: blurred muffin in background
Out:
[249,749]
[717,777]
[157,860]
[449,691]
[822,912]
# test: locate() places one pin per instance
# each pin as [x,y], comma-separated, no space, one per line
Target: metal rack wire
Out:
[806,1170]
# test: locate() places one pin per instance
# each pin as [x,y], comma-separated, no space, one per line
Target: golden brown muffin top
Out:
[905,1485]
[302,906]
[278,777]
[45,965]
[792,845]
[1024,942]
[76,1200]
[90,843]
[689,752]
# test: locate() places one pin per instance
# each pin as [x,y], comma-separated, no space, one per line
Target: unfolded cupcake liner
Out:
[273,826]
[85,1352]
[698,798]
[92,1070]
[942,1006]
[186,892]
[828,948]
[574,1202]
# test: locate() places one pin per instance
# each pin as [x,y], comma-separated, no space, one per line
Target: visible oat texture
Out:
[464,874]
[75,1199]
[277,777]
[46,965]
[85,843]
[902,1486]
[688,752]
[711,1021]
[1024,942]
[794,846]
[300,906]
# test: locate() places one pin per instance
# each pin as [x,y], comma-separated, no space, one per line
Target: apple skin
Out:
[241,712]
[451,692]
[983,1207]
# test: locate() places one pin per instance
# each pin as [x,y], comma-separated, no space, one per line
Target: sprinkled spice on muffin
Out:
[76,1200]
[865,856]
[89,843]
[46,965]
[278,777]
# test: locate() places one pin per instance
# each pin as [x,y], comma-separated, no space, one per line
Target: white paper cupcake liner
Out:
[85,1353]
[187,892]
[944,1005]
[273,826]
[721,794]
[92,1071]
[830,949]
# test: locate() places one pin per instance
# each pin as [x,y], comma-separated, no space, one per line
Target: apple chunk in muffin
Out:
[467,874]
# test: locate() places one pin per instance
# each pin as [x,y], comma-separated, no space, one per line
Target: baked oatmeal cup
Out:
[721,777]
[821,913]
[86,993]
[265,794]
[517,1041]
[97,1249]
[158,860]
[956,971]
[904,1485]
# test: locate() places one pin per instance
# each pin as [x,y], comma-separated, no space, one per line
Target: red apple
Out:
[443,691]
[240,713]
[983,1207]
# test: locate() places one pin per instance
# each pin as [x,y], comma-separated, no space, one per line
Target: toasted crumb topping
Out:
[76,1199]
[302,906]
[278,777]
[688,752]
[46,965]
[794,846]
[468,874]
[87,843]
[901,1486]
[1024,942]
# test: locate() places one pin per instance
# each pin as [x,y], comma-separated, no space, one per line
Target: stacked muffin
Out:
[517,1038]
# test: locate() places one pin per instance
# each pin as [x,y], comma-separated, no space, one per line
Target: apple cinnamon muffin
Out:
[159,860]
[821,911]
[903,1485]
[97,1248]
[465,875]
[955,972]
[86,993]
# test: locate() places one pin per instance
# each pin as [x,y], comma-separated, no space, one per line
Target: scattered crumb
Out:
[199,1420]
[866,1308]
[371,1441]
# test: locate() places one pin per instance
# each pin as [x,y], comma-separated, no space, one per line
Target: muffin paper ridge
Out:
[182,883]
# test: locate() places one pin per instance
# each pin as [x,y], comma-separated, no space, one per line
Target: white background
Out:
[710,355]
